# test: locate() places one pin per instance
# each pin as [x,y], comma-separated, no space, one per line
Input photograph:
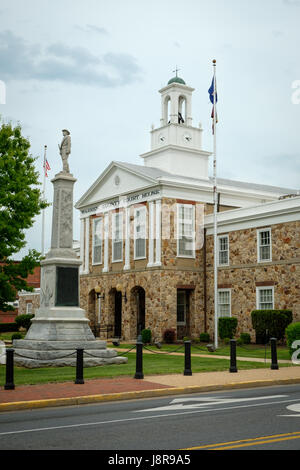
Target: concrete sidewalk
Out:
[125,388]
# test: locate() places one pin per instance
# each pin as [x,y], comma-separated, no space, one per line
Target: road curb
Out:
[161,392]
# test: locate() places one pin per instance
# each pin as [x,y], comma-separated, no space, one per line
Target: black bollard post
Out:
[139,360]
[9,384]
[274,363]
[187,358]
[79,367]
[233,367]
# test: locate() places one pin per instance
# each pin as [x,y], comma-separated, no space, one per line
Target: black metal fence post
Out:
[233,367]
[187,358]
[274,363]
[9,384]
[79,367]
[139,360]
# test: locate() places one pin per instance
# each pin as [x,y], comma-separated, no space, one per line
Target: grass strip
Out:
[153,364]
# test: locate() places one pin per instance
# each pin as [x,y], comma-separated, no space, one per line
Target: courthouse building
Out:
[147,238]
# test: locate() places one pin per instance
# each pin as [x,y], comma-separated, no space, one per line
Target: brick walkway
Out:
[69,389]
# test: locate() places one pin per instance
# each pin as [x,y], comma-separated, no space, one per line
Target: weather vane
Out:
[176,70]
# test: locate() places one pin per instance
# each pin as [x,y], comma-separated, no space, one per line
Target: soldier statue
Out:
[65,150]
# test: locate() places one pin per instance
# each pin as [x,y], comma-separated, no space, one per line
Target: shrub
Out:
[7,327]
[186,338]
[270,323]
[292,334]
[146,336]
[16,336]
[24,321]
[226,340]
[169,336]
[204,337]
[245,338]
[227,327]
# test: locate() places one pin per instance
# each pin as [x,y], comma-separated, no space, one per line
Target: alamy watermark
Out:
[2,92]
[295,98]
[296,344]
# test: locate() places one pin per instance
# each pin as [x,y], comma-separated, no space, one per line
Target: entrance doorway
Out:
[183,313]
[118,314]
[137,301]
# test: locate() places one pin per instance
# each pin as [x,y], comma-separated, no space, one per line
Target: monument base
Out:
[38,353]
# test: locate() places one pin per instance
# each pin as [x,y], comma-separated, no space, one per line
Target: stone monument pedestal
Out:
[60,325]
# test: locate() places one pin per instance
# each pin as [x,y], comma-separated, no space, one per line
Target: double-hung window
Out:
[186,230]
[224,302]
[140,233]
[223,259]
[265,298]
[97,240]
[264,245]
[117,236]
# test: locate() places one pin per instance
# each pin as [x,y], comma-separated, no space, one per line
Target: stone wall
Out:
[244,274]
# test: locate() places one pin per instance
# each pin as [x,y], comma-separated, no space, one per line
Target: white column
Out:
[158,233]
[127,238]
[81,269]
[151,234]
[106,234]
[87,245]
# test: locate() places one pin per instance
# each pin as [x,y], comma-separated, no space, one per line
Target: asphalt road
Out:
[253,419]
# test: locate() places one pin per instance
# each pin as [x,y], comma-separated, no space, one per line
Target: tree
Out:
[20,202]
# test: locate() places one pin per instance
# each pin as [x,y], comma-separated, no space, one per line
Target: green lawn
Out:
[250,350]
[152,364]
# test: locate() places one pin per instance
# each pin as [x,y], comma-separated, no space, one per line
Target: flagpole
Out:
[215,213]
[43,211]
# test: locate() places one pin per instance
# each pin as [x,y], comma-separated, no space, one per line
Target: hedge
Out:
[227,327]
[24,321]
[8,327]
[146,336]
[292,333]
[270,323]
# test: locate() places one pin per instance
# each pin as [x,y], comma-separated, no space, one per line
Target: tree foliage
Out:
[20,202]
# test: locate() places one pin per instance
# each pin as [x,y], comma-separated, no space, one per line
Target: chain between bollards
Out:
[233,366]
[9,384]
[274,363]
[187,358]
[79,367]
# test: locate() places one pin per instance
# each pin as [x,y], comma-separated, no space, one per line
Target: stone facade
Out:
[244,273]
[159,285]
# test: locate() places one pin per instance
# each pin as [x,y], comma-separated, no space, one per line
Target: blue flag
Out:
[211,92]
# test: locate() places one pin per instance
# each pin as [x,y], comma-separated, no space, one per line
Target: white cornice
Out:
[180,148]
[270,213]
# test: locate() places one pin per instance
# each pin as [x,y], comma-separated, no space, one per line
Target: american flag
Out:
[46,166]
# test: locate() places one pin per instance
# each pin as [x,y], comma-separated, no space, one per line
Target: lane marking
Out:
[97,423]
[249,442]
[177,403]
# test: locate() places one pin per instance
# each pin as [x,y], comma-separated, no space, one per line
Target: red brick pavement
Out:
[69,389]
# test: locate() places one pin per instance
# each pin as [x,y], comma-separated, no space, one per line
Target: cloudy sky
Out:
[95,67]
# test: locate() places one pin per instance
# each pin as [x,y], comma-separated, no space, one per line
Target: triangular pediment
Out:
[115,181]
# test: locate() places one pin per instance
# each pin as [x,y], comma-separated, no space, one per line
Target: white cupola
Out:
[176,146]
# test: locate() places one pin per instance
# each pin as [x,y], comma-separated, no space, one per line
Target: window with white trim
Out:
[264,245]
[265,298]
[224,302]
[140,233]
[97,240]
[117,236]
[186,230]
[223,258]
[29,308]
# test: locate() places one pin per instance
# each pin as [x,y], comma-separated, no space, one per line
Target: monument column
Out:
[60,326]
